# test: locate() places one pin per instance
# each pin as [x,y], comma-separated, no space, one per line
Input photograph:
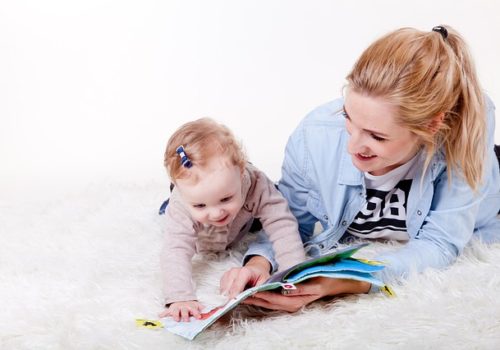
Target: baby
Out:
[216,197]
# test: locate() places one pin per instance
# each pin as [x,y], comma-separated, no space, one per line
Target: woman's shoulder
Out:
[490,106]
[490,118]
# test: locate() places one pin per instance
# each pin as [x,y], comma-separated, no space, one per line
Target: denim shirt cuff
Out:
[374,289]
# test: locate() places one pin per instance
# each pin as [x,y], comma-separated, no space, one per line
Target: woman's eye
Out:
[199,206]
[226,199]
[378,138]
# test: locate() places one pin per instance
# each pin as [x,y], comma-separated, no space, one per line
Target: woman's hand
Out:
[306,293]
[255,272]
[181,310]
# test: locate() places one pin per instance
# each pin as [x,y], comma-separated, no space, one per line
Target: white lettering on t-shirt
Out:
[384,214]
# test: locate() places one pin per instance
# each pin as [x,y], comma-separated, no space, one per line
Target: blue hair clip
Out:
[185,161]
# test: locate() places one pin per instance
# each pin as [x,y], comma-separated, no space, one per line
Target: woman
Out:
[406,155]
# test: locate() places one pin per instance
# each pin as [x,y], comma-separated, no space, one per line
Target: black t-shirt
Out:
[384,214]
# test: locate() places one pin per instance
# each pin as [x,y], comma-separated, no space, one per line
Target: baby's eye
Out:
[199,206]
[226,199]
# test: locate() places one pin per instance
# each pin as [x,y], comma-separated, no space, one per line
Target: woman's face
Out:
[376,144]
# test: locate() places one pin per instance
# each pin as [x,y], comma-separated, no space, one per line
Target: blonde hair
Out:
[202,140]
[425,74]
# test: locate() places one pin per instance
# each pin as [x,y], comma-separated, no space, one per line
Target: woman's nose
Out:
[355,143]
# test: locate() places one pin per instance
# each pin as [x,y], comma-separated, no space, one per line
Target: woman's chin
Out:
[365,165]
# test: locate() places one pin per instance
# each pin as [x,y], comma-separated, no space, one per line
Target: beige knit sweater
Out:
[184,237]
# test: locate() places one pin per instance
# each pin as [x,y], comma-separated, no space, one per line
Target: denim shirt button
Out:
[325,217]
[321,246]
[344,223]
[419,212]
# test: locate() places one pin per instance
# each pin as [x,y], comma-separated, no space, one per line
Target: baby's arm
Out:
[280,225]
[177,252]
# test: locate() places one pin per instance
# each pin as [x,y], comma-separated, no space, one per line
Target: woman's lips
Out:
[363,157]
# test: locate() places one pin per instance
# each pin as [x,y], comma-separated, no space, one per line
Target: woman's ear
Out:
[436,123]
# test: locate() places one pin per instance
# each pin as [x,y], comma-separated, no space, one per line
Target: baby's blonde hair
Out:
[425,74]
[202,140]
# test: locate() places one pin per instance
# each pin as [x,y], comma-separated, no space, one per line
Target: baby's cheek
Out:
[197,216]
[239,204]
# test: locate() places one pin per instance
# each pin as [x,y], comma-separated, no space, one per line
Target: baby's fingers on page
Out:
[175,314]
[164,313]
[195,311]
[185,312]
[261,279]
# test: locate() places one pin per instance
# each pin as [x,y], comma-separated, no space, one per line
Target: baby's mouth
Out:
[222,220]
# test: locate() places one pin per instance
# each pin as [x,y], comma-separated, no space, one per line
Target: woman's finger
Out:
[288,304]
[261,302]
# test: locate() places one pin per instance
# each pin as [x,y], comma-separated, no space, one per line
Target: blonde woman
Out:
[406,155]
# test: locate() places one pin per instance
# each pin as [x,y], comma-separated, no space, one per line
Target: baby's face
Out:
[216,197]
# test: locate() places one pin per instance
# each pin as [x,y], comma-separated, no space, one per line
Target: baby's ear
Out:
[436,122]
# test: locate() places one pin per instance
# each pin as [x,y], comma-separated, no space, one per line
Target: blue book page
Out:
[341,265]
[352,275]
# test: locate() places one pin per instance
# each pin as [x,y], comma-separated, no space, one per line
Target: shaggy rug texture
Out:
[75,273]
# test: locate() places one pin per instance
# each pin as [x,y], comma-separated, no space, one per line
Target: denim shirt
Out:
[321,184]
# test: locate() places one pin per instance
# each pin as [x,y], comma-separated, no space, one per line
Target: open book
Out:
[338,264]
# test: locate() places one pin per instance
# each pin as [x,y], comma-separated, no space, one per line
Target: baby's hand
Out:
[181,310]
[237,279]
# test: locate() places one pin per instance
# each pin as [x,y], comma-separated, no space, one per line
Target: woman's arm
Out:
[307,292]
[294,183]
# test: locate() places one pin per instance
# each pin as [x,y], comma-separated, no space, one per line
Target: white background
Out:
[91,90]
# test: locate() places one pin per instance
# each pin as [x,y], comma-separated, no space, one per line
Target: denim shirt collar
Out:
[349,175]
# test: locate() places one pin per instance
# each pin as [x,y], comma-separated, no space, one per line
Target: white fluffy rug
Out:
[76,272]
